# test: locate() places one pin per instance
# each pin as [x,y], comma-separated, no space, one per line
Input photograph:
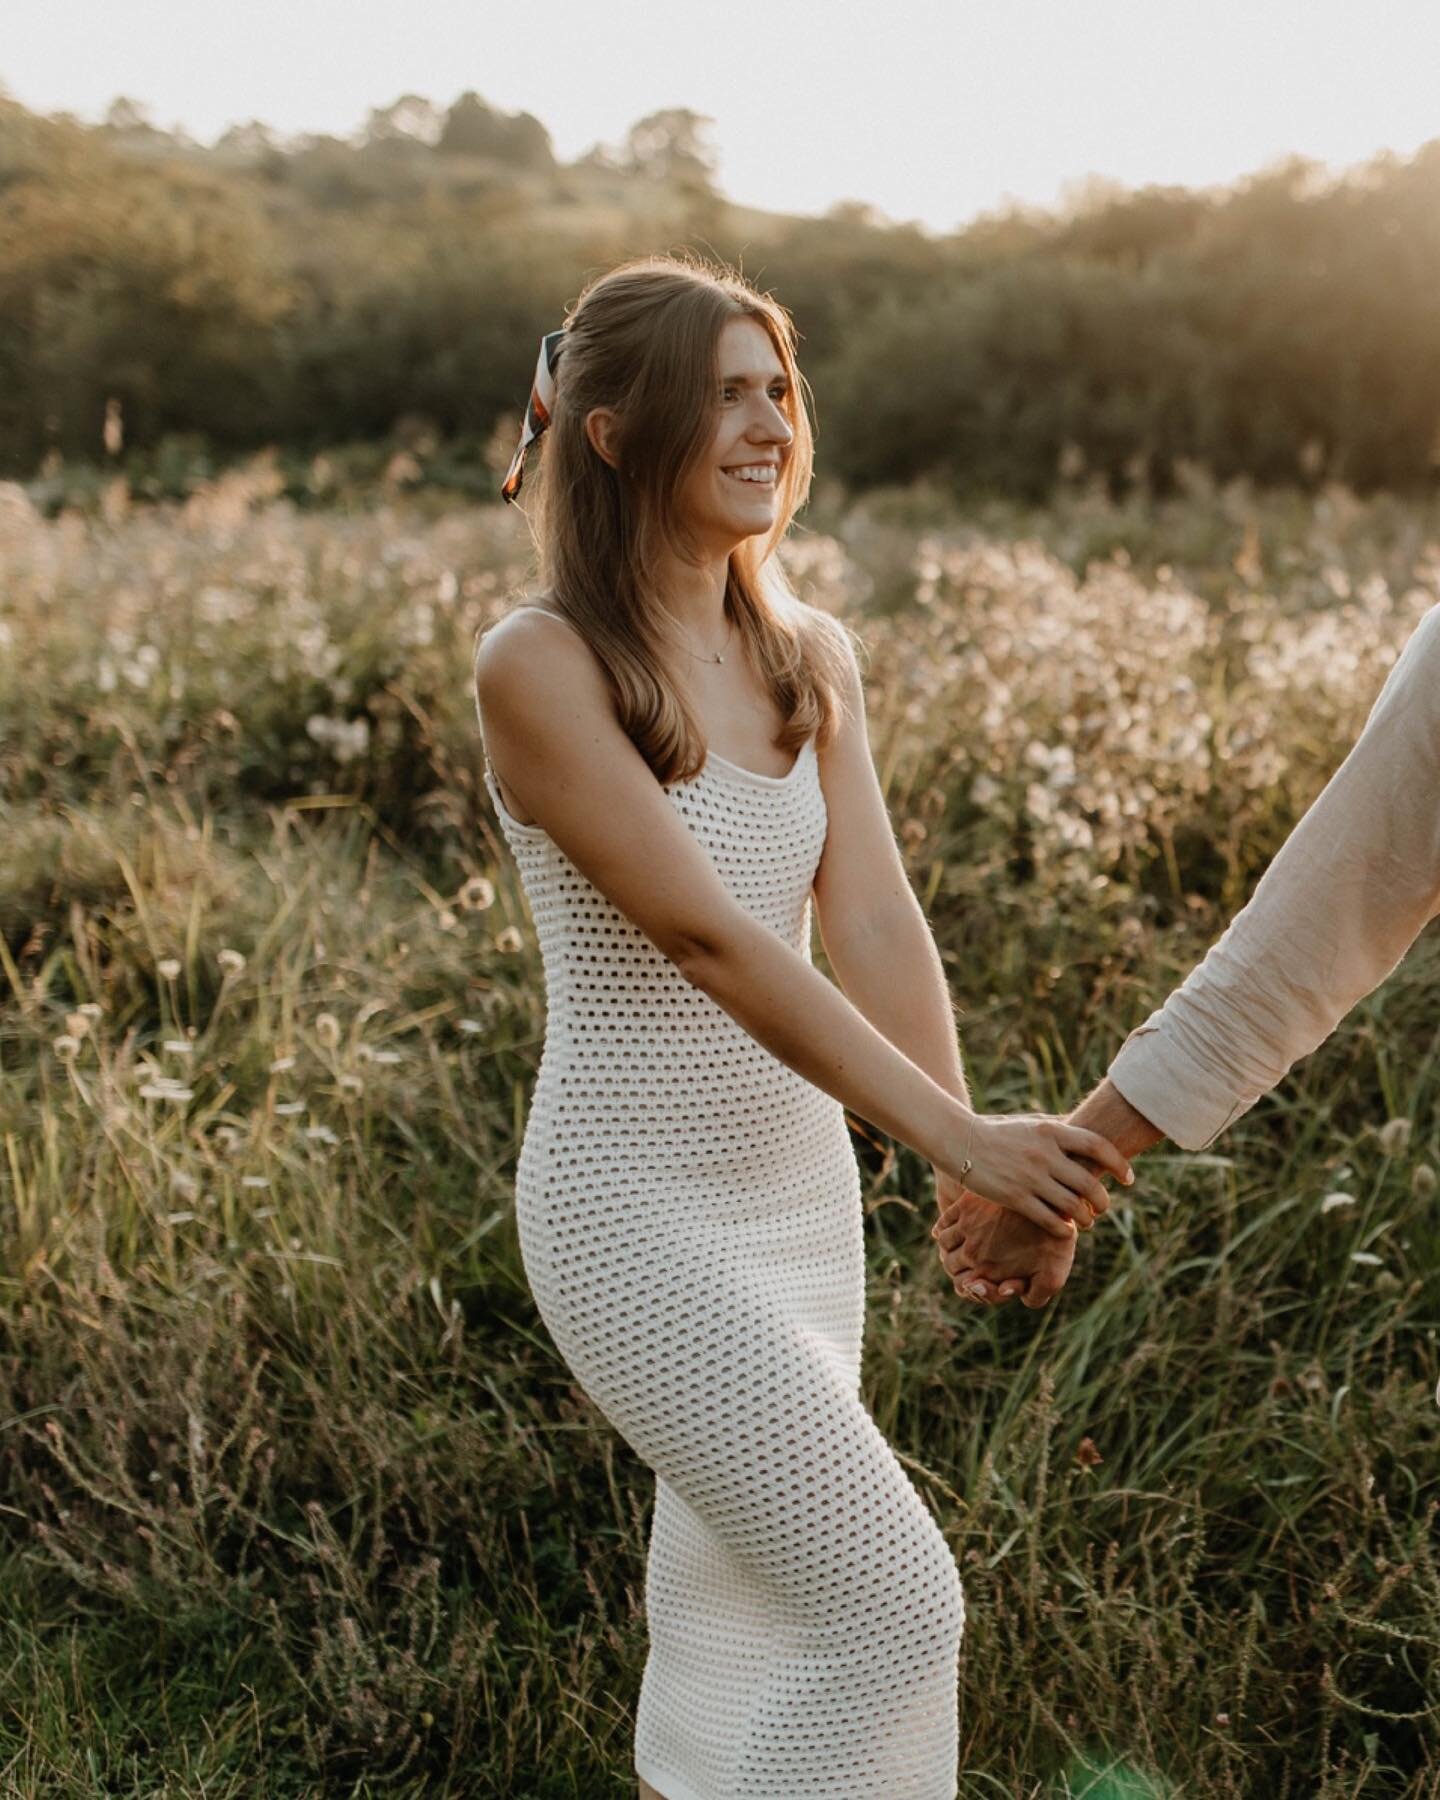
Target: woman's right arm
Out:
[551,731]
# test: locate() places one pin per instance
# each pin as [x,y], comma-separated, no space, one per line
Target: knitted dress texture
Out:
[690,1222]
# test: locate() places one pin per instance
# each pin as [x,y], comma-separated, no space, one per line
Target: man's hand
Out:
[992,1254]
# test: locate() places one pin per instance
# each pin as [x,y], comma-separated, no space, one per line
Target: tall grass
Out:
[298,1498]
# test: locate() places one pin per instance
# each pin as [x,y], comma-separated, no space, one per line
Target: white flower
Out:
[321,1134]
[346,738]
[1331,1201]
[289,1109]
[476,895]
[168,968]
[1394,1135]
[162,1088]
[231,961]
[179,1046]
[1368,1257]
[65,1045]
[281,1064]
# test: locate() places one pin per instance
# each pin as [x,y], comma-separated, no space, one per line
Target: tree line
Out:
[320,291]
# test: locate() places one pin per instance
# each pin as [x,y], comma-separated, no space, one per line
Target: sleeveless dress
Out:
[690,1219]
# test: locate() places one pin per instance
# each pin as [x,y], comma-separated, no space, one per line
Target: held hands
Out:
[992,1255]
[1029,1164]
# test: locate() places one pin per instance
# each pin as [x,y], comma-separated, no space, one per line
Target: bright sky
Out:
[933,110]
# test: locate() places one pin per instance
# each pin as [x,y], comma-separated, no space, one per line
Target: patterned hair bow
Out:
[537,413]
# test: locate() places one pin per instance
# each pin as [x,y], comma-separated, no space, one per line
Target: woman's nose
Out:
[773,426]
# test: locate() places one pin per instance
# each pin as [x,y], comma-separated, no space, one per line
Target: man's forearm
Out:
[1107,1111]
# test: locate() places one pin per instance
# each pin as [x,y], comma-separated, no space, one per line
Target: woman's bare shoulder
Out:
[533,657]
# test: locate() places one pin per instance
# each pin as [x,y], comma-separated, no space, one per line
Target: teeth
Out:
[763,475]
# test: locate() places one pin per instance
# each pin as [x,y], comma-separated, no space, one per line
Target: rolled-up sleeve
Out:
[1350,891]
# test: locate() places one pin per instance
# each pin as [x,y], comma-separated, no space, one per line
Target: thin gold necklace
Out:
[719,655]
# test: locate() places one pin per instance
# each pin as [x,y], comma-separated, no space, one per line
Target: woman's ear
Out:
[601,427]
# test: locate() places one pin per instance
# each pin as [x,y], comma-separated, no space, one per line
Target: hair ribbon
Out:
[537,412]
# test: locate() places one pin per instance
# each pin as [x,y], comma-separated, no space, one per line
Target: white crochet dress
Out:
[690,1221]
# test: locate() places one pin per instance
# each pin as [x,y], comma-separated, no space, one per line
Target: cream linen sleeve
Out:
[1343,900]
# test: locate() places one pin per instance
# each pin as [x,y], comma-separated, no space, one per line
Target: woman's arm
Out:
[549,721]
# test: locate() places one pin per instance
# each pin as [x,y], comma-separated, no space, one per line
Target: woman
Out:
[677,754]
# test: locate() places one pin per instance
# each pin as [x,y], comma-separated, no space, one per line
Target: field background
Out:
[295,1495]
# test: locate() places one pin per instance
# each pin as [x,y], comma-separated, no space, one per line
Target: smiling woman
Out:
[687,1196]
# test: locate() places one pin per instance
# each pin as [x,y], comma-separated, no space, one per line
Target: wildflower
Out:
[289,1109]
[162,1088]
[327,1029]
[179,1046]
[385,1056]
[66,1045]
[1331,1201]
[321,1134]
[1423,1181]
[1368,1257]
[469,1026]
[90,1009]
[186,1186]
[508,941]
[168,968]
[281,1064]
[254,1181]
[346,739]
[445,919]
[477,895]
[77,1024]
[1394,1135]
[231,961]
[351,1084]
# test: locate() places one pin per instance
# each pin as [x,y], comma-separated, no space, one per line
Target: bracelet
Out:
[969,1162]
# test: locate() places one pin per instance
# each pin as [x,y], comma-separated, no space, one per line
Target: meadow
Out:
[297,1497]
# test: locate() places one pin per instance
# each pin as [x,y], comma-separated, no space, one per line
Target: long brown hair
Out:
[643,339]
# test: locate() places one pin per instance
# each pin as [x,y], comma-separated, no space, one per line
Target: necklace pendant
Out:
[719,659]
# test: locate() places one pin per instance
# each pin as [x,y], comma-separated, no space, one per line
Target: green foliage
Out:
[300,1498]
[320,291]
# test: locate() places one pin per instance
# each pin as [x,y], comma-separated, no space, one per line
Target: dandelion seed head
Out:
[1394,1135]
[477,895]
